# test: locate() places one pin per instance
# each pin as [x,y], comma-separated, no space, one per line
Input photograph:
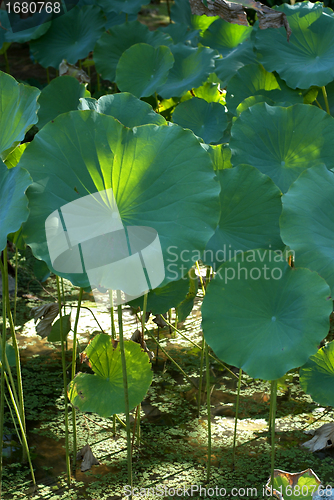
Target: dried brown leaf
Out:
[323,438]
[68,69]
[234,12]
[46,314]
[87,457]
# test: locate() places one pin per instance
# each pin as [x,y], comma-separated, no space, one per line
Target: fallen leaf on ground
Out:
[323,438]
[87,457]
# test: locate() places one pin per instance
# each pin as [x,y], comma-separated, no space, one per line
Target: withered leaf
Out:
[87,457]
[234,12]
[137,337]
[46,314]
[68,69]
[323,438]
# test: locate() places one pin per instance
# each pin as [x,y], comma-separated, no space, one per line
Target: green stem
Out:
[200,377]
[15,293]
[324,93]
[126,395]
[74,358]
[273,398]
[318,103]
[2,385]
[112,316]
[236,418]
[23,432]
[207,365]
[68,467]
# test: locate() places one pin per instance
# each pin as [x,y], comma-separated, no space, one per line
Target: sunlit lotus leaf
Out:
[294,486]
[307,221]
[220,155]
[71,36]
[181,13]
[210,92]
[18,111]
[103,392]
[252,80]
[111,45]
[308,58]
[251,101]
[60,96]
[14,157]
[249,215]
[224,36]
[160,300]
[125,107]
[206,120]
[13,201]
[317,376]
[181,33]
[277,315]
[191,68]
[172,188]
[238,57]
[281,142]
[143,69]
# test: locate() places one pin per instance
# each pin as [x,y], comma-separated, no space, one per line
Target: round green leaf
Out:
[276,315]
[181,33]
[71,36]
[206,120]
[308,58]
[251,101]
[161,178]
[210,92]
[238,57]
[281,142]
[110,46]
[60,96]
[127,6]
[103,392]
[253,80]
[29,28]
[143,69]
[307,221]
[224,36]
[181,13]
[317,376]
[125,107]
[13,201]
[54,335]
[249,215]
[161,299]
[18,111]
[191,68]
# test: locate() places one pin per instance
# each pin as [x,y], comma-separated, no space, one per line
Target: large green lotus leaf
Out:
[103,392]
[29,29]
[143,69]
[295,485]
[206,120]
[161,178]
[182,33]
[210,92]
[307,221]
[251,101]
[110,46]
[18,110]
[238,57]
[220,155]
[317,376]
[13,201]
[125,107]
[252,80]
[275,315]
[14,157]
[161,299]
[308,58]
[191,68]
[249,215]
[10,353]
[71,36]
[127,6]
[60,96]
[224,36]
[281,142]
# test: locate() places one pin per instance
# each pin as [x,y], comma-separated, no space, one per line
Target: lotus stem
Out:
[273,397]
[200,377]
[74,359]
[126,394]
[208,404]
[324,93]
[236,417]
[2,385]
[68,467]
[15,292]
[112,316]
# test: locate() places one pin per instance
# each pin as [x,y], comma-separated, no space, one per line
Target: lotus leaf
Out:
[307,222]
[103,392]
[143,69]
[281,142]
[263,316]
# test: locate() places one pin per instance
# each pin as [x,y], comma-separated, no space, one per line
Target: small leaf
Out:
[54,335]
[323,438]
[87,457]
[294,486]
[46,314]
